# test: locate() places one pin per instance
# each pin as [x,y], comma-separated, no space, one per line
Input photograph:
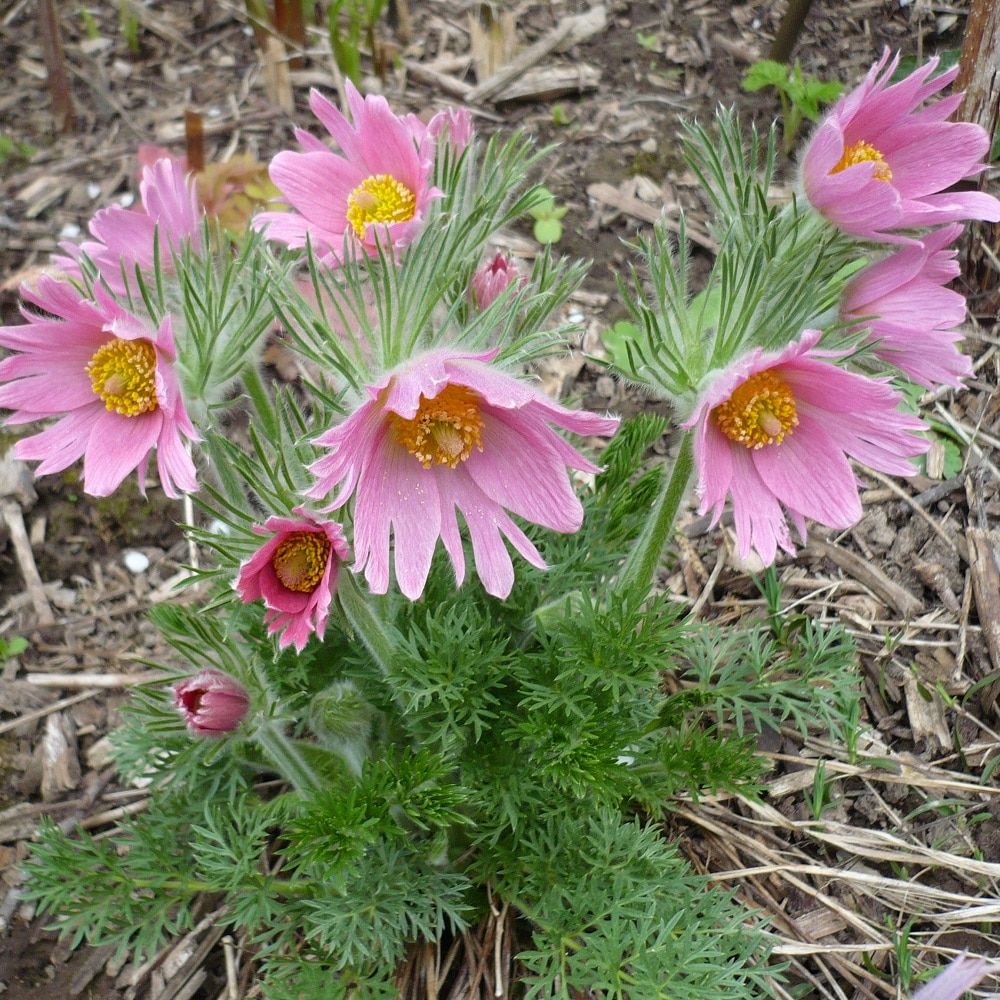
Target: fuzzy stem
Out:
[366,624]
[639,568]
[286,757]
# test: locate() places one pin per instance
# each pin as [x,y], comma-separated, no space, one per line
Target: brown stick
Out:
[789,30]
[288,21]
[194,140]
[55,64]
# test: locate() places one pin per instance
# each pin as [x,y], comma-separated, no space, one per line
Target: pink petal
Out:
[116,447]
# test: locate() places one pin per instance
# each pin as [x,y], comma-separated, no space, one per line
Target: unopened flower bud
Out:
[493,277]
[211,702]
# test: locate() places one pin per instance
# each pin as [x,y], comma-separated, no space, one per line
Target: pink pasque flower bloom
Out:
[377,192]
[111,376]
[914,315]
[775,431]
[446,432]
[212,703]
[454,124]
[953,982]
[295,573]
[493,277]
[879,162]
[130,238]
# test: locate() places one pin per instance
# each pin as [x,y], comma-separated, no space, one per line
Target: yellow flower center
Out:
[379,198]
[864,152]
[123,374]
[445,428]
[761,411]
[300,560]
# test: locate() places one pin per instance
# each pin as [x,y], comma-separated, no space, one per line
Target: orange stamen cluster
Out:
[379,198]
[445,428]
[123,374]
[864,152]
[760,411]
[299,561]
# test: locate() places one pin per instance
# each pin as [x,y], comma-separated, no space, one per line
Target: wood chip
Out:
[60,763]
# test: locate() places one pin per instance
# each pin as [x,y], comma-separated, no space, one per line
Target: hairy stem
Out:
[286,756]
[639,568]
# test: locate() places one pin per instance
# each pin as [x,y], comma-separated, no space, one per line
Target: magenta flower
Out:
[446,432]
[493,277]
[111,377]
[911,315]
[376,193]
[952,983]
[129,238]
[879,162]
[212,703]
[775,431]
[454,124]
[295,573]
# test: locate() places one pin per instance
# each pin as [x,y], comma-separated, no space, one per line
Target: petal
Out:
[60,445]
[116,447]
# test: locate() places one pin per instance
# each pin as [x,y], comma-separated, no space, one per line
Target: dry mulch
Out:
[916,581]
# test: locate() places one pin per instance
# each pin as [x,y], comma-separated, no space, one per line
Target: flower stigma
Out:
[299,561]
[864,152]
[379,198]
[445,428]
[761,411]
[123,374]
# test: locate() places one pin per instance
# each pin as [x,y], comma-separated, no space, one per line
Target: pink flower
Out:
[295,573]
[493,277]
[446,432]
[914,314]
[111,376]
[377,192]
[452,123]
[879,162]
[212,703]
[776,430]
[126,239]
[951,984]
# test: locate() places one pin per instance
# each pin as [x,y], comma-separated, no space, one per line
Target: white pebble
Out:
[575,316]
[126,199]
[93,190]
[69,232]
[218,527]
[135,561]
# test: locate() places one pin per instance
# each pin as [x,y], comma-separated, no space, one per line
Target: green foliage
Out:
[547,215]
[11,646]
[12,150]
[801,95]
[351,23]
[128,25]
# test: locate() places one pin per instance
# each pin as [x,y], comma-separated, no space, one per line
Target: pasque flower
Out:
[775,431]
[212,703]
[449,432]
[295,573]
[911,315]
[879,162]
[124,239]
[493,277]
[953,982]
[111,377]
[375,194]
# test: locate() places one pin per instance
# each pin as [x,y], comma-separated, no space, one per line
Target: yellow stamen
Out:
[864,152]
[445,428]
[760,411]
[299,561]
[123,374]
[379,198]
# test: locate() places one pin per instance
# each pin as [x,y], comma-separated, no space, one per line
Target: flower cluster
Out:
[774,431]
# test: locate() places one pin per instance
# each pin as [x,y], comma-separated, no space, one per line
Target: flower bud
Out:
[211,702]
[492,278]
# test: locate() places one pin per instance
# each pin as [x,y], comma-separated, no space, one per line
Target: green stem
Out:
[639,568]
[286,756]
[366,624]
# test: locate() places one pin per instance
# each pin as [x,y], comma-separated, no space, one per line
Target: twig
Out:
[70,681]
[40,713]
[570,30]
[26,562]
[867,573]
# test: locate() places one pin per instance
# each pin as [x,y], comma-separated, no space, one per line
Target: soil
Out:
[658,62]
